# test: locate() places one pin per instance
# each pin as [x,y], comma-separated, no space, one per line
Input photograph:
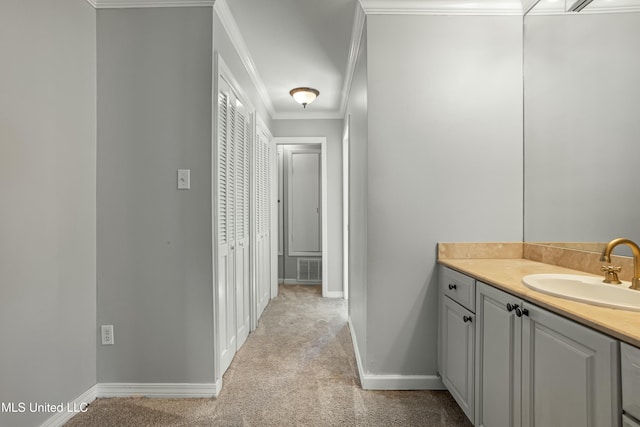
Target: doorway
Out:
[301,204]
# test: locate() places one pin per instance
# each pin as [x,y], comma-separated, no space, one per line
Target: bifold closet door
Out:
[241,142]
[226,225]
[263,218]
[233,189]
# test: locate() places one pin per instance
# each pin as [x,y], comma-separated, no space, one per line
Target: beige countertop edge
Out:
[507,274]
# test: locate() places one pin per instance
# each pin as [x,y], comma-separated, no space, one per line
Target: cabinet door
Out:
[498,357]
[629,422]
[569,373]
[458,336]
[630,369]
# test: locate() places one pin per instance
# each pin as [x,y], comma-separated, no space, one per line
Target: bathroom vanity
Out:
[511,356]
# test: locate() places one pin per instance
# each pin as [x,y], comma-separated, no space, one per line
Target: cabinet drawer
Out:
[458,287]
[630,367]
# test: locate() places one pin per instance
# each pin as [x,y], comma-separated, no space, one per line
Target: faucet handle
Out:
[611,274]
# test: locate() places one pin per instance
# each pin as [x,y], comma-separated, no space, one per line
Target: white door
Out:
[233,195]
[226,226]
[305,224]
[263,208]
[242,135]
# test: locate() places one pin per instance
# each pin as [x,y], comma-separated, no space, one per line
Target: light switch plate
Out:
[184,179]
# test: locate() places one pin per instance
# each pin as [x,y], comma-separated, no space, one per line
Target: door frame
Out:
[322,141]
[345,207]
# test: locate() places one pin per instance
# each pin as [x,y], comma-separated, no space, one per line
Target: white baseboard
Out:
[357,352]
[393,382]
[165,390]
[79,404]
[298,282]
[334,294]
[402,382]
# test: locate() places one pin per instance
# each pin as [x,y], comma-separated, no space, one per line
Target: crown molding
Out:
[527,5]
[123,4]
[601,8]
[441,7]
[230,25]
[354,50]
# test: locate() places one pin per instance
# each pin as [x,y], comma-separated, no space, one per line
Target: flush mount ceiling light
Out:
[304,95]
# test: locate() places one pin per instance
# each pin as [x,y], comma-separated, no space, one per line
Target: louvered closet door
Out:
[263,265]
[267,214]
[263,242]
[226,224]
[242,137]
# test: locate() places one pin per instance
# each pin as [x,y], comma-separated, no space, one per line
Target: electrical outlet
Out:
[107,334]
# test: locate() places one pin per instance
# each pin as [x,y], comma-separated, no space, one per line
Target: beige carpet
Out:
[297,369]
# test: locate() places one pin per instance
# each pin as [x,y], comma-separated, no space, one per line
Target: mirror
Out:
[582,122]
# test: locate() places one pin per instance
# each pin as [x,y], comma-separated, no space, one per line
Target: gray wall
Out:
[332,130]
[154,241]
[48,213]
[444,164]
[582,131]
[358,136]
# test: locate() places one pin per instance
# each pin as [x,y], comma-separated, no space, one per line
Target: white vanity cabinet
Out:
[457,337]
[630,369]
[535,368]
[498,358]
[570,373]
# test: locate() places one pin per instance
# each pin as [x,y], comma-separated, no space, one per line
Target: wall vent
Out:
[310,270]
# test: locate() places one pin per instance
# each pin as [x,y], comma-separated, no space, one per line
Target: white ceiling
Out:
[298,43]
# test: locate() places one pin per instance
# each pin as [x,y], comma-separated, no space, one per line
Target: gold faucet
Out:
[606,257]
[611,274]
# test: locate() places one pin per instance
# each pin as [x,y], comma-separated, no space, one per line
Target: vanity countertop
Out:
[507,274]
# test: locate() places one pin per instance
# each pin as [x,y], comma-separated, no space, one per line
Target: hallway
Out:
[298,368]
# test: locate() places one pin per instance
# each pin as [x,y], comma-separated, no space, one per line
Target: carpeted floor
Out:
[296,369]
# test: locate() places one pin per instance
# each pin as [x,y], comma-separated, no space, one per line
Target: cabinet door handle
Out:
[451,287]
[466,319]
[510,307]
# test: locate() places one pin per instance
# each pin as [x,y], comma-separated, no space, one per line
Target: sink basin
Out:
[587,289]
